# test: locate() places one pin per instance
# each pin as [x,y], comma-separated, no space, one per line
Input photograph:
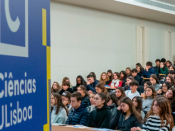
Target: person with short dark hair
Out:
[101,116]
[149,70]
[133,92]
[66,87]
[163,60]
[79,114]
[157,67]
[91,83]
[172,73]
[134,74]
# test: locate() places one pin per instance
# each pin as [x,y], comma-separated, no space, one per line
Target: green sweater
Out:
[165,71]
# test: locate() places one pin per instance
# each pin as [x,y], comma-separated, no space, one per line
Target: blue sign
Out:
[24,65]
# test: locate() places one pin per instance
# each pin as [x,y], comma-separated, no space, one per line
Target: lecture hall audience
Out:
[136,99]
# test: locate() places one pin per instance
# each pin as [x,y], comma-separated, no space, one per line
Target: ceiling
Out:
[128,9]
[168,1]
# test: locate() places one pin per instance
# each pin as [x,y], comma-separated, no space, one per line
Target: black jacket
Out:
[137,78]
[69,89]
[115,119]
[100,118]
[126,125]
[85,101]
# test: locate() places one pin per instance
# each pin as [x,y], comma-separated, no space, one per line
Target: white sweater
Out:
[153,123]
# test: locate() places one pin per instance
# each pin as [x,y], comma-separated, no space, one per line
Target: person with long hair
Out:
[101,116]
[165,87]
[58,111]
[145,85]
[104,78]
[110,75]
[139,70]
[91,98]
[128,71]
[113,103]
[85,96]
[159,118]
[130,117]
[168,63]
[116,82]
[155,82]
[163,69]
[170,79]
[128,80]
[171,67]
[123,77]
[170,95]
[137,102]
[66,79]
[66,99]
[150,95]
[101,88]
[79,81]
[56,88]
[94,75]
[120,93]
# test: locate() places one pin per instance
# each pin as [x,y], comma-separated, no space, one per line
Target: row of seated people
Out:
[117,110]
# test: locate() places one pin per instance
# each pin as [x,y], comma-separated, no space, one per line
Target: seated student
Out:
[168,64]
[133,92]
[150,94]
[79,114]
[55,87]
[155,82]
[80,81]
[170,79]
[58,110]
[163,60]
[85,96]
[94,75]
[170,95]
[139,70]
[113,103]
[92,106]
[120,93]
[110,75]
[157,67]
[149,70]
[146,84]
[116,82]
[123,77]
[163,69]
[101,88]
[134,74]
[104,78]
[128,71]
[66,79]
[130,117]
[172,73]
[91,83]
[101,116]
[128,80]
[159,118]
[66,87]
[137,102]
[171,68]
[66,99]
[165,87]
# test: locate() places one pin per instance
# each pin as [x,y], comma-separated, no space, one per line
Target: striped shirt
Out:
[153,123]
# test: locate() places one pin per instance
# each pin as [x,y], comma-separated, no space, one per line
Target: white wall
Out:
[85,40]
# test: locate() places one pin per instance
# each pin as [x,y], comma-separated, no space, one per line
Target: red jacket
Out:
[119,85]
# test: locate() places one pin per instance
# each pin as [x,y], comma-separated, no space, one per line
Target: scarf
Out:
[115,82]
